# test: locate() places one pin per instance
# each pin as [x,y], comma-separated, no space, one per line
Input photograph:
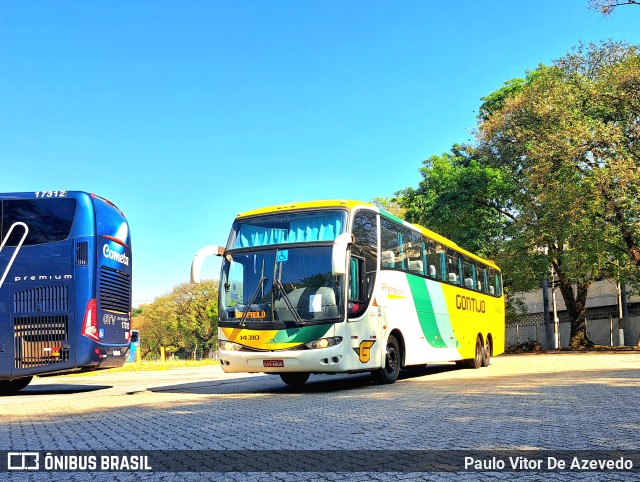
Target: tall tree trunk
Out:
[576,304]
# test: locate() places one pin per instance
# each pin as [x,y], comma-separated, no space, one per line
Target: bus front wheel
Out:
[391,370]
[8,387]
[295,379]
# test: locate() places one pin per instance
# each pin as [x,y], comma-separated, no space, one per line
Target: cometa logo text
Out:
[114,255]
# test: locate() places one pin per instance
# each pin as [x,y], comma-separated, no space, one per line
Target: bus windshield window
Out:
[287,228]
[280,286]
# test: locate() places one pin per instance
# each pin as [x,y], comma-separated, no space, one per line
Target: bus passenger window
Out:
[498,284]
[467,273]
[452,270]
[437,262]
[492,288]
[388,259]
[481,276]
[414,256]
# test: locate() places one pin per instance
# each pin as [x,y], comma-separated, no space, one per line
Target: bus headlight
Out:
[229,346]
[324,342]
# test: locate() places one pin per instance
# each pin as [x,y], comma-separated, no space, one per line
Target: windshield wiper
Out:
[296,316]
[254,296]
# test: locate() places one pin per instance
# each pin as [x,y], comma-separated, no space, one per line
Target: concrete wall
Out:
[599,332]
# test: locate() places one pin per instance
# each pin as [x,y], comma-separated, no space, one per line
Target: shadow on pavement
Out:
[59,389]
[272,384]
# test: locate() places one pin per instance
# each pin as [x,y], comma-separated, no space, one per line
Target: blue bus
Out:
[135,346]
[65,285]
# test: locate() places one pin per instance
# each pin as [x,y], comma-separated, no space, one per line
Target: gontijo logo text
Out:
[114,255]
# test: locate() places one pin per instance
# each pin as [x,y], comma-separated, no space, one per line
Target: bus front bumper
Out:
[321,360]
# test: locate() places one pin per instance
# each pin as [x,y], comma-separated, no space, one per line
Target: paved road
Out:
[521,402]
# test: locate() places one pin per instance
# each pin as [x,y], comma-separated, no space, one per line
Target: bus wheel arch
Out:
[393,359]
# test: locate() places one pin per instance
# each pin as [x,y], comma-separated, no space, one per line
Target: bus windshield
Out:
[287,228]
[270,288]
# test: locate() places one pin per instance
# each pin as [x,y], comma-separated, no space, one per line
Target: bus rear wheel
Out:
[7,387]
[391,370]
[295,379]
[486,359]
[478,359]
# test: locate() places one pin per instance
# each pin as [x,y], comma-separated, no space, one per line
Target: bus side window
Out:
[390,255]
[492,288]
[413,250]
[467,273]
[364,254]
[481,277]
[498,284]
[453,275]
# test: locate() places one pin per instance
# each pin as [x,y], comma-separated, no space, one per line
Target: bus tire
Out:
[486,359]
[7,387]
[295,379]
[476,361]
[391,370]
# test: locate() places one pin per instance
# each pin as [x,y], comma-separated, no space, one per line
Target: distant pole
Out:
[545,311]
[556,320]
[610,330]
[620,315]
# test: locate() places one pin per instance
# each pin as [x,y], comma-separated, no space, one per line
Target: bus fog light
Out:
[324,342]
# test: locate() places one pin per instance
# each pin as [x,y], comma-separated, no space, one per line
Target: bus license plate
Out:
[273,363]
[116,352]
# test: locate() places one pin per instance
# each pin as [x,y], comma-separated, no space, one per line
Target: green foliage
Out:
[553,179]
[389,204]
[183,321]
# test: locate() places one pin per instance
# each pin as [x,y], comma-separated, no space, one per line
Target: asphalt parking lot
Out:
[522,404]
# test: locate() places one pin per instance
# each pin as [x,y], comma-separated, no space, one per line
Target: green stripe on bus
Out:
[424,309]
[302,334]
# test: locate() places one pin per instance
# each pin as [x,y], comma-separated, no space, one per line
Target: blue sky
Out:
[186,113]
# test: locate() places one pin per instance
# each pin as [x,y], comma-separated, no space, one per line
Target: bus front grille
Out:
[40,340]
[115,290]
[42,299]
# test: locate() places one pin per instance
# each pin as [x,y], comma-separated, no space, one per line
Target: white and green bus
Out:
[346,287]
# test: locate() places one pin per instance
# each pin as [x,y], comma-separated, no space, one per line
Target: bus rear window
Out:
[47,220]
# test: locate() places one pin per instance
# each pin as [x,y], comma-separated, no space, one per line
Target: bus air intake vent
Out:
[42,299]
[40,340]
[82,253]
[115,290]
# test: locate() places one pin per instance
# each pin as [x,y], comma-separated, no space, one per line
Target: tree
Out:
[158,326]
[606,7]
[183,320]
[389,204]
[196,308]
[553,177]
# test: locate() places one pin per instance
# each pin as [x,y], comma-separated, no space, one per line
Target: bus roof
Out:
[351,204]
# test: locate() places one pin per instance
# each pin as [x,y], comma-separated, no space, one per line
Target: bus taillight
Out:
[90,324]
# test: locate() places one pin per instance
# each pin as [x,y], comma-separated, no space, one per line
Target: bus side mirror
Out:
[200,257]
[339,253]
